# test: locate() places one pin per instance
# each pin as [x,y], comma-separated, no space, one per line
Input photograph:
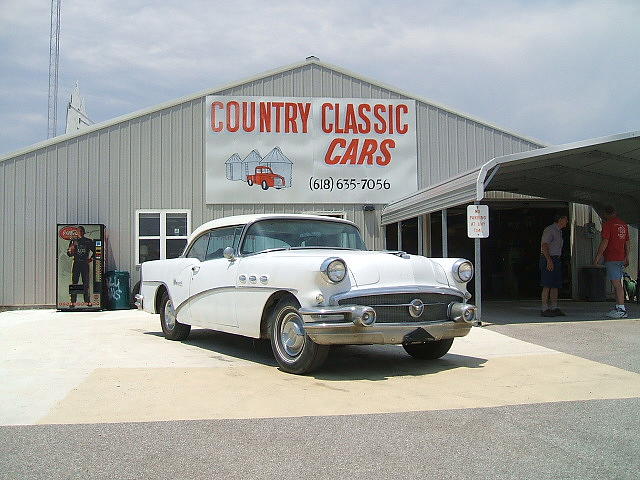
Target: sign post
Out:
[477,228]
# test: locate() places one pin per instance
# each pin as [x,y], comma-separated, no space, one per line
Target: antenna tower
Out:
[54,56]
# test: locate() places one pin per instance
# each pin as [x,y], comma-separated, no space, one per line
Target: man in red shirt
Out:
[614,246]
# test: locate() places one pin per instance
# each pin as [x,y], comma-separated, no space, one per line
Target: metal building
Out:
[150,166]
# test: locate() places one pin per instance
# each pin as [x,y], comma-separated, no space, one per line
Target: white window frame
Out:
[163,237]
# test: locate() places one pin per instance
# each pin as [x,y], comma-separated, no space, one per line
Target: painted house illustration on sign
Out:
[238,169]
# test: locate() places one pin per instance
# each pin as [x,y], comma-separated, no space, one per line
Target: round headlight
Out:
[463,270]
[334,269]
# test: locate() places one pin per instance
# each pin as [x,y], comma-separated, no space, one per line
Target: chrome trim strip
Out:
[409,305]
[397,290]
[152,283]
[232,287]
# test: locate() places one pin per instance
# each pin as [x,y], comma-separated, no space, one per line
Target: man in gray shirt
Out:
[551,266]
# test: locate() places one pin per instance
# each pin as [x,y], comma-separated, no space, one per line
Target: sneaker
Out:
[617,313]
[547,313]
[558,313]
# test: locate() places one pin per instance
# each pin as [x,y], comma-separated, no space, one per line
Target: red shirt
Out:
[617,232]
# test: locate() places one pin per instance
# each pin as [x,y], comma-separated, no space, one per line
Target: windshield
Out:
[288,233]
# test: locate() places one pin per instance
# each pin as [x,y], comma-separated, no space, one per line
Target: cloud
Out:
[559,71]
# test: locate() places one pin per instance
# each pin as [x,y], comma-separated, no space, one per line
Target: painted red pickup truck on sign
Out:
[265,177]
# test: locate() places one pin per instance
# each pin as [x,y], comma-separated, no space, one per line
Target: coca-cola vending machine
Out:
[80,267]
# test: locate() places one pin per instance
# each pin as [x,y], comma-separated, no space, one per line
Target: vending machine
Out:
[80,267]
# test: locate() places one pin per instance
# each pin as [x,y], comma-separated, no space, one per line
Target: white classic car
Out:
[307,282]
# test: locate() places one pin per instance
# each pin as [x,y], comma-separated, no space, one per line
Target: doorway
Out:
[511,253]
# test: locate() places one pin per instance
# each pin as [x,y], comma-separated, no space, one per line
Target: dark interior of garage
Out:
[510,254]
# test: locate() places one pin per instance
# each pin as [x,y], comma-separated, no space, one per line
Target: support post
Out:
[399,235]
[478,278]
[420,235]
[477,263]
[445,243]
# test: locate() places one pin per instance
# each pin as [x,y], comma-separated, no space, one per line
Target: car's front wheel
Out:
[294,351]
[429,350]
[172,329]
[265,186]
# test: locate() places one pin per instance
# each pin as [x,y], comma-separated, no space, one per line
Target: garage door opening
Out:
[509,256]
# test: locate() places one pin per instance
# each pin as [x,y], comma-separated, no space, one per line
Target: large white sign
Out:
[478,221]
[309,150]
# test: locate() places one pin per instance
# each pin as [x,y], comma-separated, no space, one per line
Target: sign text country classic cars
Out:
[309,150]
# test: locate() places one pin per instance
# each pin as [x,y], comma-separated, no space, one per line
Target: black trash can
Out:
[118,297]
[593,283]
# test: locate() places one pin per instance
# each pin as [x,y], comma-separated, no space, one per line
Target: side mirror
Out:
[229,254]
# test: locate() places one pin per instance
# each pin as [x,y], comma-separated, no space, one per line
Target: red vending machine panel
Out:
[80,267]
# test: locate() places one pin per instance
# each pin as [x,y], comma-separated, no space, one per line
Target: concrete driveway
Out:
[116,366]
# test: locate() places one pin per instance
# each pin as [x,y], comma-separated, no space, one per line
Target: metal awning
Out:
[597,172]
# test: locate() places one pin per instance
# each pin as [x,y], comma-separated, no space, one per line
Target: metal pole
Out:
[399,235]
[478,275]
[445,244]
[478,279]
[420,235]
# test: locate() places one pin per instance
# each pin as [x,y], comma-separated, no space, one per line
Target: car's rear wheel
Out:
[264,185]
[294,351]
[249,182]
[172,329]
[429,350]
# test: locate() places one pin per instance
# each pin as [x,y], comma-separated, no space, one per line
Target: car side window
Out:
[198,249]
[221,239]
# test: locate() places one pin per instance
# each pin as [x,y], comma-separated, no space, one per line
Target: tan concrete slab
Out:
[132,395]
[115,366]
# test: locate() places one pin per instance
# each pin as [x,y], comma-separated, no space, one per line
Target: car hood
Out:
[387,268]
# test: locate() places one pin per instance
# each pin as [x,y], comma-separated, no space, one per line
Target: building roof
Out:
[213,91]
[597,172]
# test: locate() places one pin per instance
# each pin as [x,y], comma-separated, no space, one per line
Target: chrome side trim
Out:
[335,299]
[152,283]
[232,287]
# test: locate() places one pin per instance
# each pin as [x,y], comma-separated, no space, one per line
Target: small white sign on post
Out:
[478,221]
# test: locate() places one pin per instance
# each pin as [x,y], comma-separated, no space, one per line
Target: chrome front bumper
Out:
[355,324]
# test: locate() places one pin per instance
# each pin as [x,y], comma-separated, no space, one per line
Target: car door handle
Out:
[195,269]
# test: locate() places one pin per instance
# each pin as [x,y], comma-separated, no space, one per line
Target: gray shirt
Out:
[552,235]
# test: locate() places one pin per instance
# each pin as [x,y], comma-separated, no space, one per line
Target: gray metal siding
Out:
[157,161]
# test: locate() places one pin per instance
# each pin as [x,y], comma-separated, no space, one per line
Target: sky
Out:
[555,71]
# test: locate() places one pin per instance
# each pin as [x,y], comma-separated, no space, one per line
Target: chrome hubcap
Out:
[292,335]
[169,316]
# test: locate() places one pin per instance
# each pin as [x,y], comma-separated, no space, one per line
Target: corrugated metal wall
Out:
[157,161]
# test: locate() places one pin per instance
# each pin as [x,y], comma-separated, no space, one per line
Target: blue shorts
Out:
[614,270]
[551,279]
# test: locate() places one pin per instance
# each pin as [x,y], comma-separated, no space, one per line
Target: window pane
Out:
[149,224]
[221,239]
[199,247]
[177,225]
[149,250]
[268,234]
[175,247]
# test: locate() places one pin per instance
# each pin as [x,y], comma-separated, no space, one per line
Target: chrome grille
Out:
[393,308]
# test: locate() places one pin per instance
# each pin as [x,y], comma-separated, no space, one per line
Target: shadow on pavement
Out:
[345,362]
[528,311]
